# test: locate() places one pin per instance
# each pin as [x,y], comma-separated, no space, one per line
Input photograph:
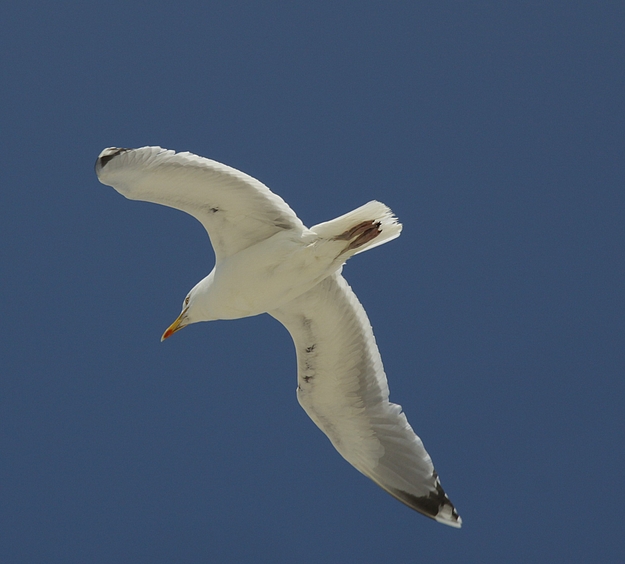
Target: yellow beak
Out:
[175,326]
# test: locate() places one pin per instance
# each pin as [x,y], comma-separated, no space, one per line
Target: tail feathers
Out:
[364,228]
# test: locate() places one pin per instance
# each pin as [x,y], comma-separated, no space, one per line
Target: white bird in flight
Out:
[267,261]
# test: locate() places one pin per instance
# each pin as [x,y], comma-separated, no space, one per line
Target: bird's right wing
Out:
[236,209]
[343,388]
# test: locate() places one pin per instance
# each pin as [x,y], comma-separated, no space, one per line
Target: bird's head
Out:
[194,307]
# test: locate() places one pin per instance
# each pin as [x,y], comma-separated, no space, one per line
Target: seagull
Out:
[267,261]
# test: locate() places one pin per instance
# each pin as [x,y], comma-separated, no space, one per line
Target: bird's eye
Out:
[186,301]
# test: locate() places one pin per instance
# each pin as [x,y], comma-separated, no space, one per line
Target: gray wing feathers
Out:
[236,209]
[343,388]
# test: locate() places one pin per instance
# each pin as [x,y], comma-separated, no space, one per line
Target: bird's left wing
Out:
[236,209]
[343,388]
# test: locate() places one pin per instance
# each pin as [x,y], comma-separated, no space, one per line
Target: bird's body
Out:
[261,277]
[268,274]
[267,261]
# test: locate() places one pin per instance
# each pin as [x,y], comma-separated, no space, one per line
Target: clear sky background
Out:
[495,131]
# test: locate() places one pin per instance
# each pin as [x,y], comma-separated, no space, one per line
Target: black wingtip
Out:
[436,505]
[106,155]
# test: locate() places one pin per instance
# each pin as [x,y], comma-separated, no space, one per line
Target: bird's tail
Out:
[363,228]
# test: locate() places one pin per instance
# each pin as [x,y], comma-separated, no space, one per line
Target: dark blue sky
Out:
[493,129]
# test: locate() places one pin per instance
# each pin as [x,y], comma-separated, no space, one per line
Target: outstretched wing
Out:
[236,209]
[343,388]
